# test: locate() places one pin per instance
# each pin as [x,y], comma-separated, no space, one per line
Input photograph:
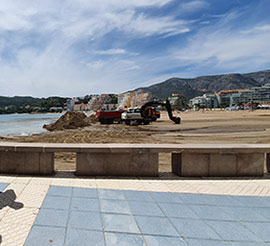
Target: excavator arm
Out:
[176,120]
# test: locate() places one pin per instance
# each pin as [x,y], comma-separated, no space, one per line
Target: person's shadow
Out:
[7,199]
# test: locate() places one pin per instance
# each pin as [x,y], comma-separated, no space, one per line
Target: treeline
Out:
[17,104]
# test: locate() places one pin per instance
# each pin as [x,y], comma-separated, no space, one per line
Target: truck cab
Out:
[132,116]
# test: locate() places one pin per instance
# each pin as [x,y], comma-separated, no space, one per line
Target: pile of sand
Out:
[92,118]
[71,120]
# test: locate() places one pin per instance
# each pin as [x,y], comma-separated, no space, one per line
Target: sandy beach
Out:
[196,127]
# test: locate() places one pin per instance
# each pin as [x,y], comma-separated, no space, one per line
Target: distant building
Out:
[70,105]
[244,96]
[260,94]
[140,97]
[178,100]
[207,101]
[173,99]
[56,109]
[237,97]
[97,101]
[133,99]
[109,106]
[124,100]
[80,107]
[228,98]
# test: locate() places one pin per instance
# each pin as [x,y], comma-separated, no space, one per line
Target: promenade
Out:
[66,210]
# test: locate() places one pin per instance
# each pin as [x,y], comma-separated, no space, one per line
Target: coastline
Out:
[196,127]
[25,124]
[202,126]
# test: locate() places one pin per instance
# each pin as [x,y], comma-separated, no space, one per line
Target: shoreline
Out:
[25,124]
[33,113]
[196,127]
[63,112]
[239,126]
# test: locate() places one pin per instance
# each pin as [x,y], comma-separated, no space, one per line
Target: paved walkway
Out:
[167,211]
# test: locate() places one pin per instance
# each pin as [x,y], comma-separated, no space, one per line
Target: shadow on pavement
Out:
[7,199]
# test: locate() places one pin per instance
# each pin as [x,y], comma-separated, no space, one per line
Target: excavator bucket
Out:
[176,120]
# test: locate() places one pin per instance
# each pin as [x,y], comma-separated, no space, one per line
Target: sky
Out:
[79,47]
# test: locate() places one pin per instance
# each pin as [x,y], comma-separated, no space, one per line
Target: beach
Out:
[196,127]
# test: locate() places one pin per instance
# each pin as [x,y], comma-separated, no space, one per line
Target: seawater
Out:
[25,124]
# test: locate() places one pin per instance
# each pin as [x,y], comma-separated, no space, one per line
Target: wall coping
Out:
[131,148]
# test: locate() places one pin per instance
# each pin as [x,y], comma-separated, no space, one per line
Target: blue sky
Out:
[79,47]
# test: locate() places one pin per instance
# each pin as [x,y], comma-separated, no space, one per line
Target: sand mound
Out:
[70,120]
[91,119]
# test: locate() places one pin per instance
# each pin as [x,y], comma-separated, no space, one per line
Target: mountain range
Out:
[188,87]
[198,86]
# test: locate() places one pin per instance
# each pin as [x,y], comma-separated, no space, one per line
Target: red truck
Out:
[109,117]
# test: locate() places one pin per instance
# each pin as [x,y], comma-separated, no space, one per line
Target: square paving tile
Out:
[77,237]
[111,194]
[85,220]
[248,244]
[56,202]
[233,231]
[244,214]
[59,191]
[52,217]
[85,204]
[203,242]
[254,201]
[205,199]
[128,218]
[120,223]
[162,241]
[121,239]
[198,199]
[194,228]
[115,206]
[3,186]
[140,196]
[145,208]
[156,226]
[265,212]
[85,192]
[178,210]
[210,212]
[261,229]
[166,197]
[224,200]
[216,200]
[44,236]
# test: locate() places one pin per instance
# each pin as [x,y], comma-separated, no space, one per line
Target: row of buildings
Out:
[230,98]
[109,101]
[221,99]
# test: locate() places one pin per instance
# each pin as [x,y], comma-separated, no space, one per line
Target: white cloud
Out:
[96,65]
[225,48]
[109,52]
[257,29]
[51,47]
[46,43]
[150,26]
[193,6]
[80,19]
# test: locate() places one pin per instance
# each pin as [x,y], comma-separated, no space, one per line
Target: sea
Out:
[25,124]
